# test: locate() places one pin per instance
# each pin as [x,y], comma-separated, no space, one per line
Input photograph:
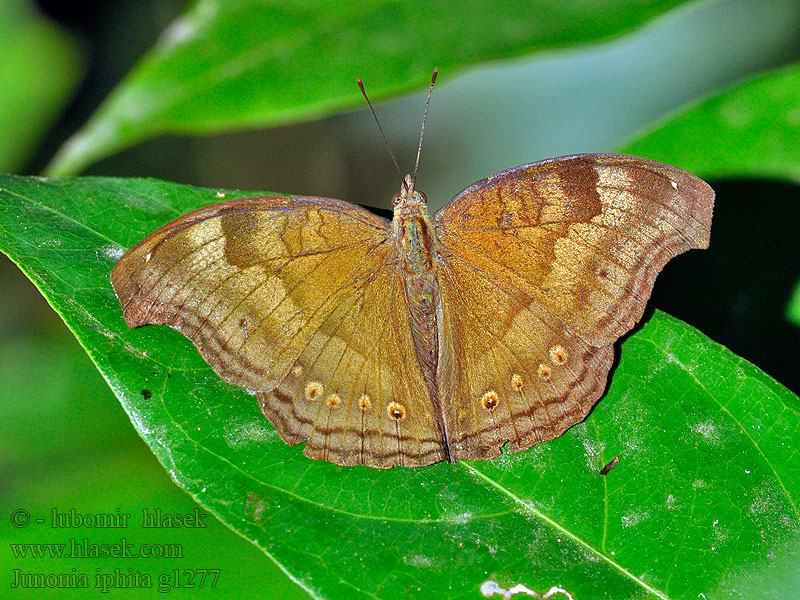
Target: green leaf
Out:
[235,64]
[40,65]
[703,502]
[749,130]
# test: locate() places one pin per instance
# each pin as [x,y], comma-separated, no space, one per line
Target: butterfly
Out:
[490,324]
[417,340]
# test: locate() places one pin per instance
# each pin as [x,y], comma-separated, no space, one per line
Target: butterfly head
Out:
[409,199]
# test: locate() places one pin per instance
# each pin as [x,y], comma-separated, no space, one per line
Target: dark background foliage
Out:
[65,439]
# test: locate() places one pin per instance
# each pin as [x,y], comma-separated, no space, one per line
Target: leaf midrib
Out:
[532,510]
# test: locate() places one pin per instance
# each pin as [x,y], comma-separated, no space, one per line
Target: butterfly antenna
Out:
[374,116]
[424,117]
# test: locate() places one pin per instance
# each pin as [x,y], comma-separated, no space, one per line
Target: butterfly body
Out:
[490,324]
[417,255]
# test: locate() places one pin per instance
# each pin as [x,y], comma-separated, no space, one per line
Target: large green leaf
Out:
[703,502]
[233,64]
[751,129]
[40,64]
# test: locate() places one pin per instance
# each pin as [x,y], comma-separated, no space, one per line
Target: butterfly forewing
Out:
[298,300]
[542,268]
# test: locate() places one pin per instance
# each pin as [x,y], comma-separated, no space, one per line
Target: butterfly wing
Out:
[542,268]
[299,301]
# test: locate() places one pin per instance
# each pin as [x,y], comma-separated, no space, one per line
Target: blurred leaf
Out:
[37,398]
[124,478]
[703,503]
[749,130]
[236,64]
[793,309]
[40,65]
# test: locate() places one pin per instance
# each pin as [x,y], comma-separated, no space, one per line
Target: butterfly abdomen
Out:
[417,250]
[415,247]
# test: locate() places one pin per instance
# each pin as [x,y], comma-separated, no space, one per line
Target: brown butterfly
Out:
[423,339]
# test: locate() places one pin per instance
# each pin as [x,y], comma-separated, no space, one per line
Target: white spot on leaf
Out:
[239,434]
[632,518]
[112,252]
[491,587]
[708,430]
[419,561]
